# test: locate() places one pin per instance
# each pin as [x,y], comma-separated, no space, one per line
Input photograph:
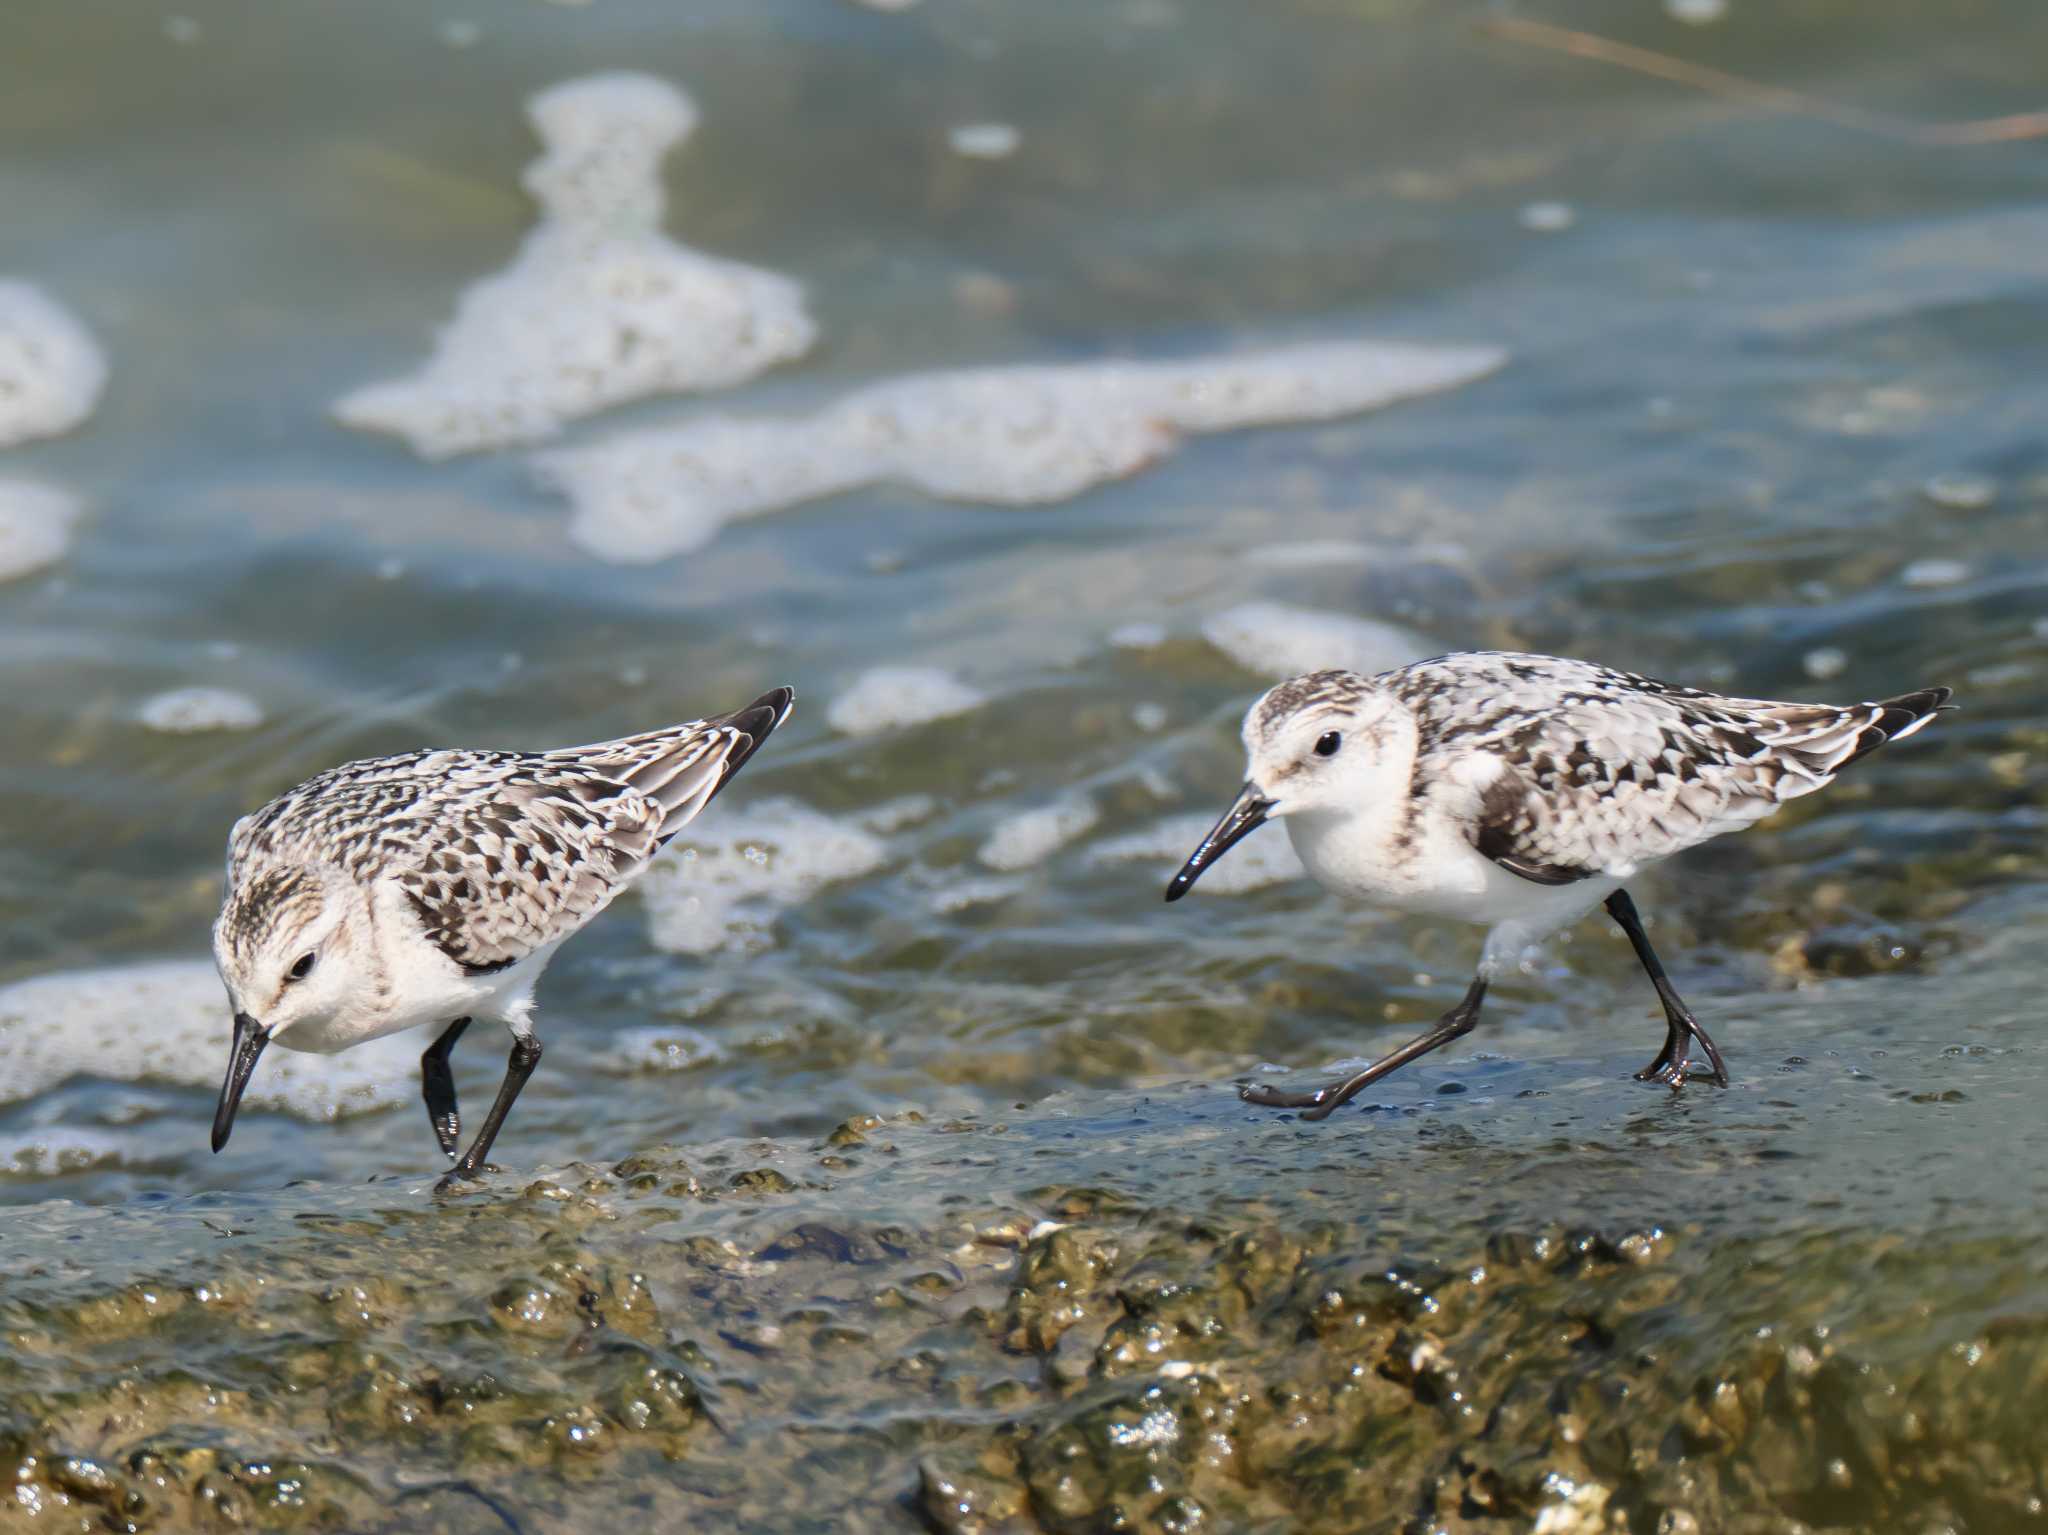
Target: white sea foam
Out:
[1313,554]
[984,141]
[1321,553]
[35,526]
[894,814]
[976,890]
[1548,218]
[1281,641]
[1138,636]
[1265,857]
[1032,836]
[600,306]
[722,881]
[51,369]
[1961,491]
[53,1149]
[662,1047]
[890,696]
[1824,663]
[167,1021]
[1935,572]
[1009,436]
[186,711]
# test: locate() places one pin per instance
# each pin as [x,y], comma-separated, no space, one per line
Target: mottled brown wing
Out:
[505,853]
[1601,771]
[559,837]
[521,865]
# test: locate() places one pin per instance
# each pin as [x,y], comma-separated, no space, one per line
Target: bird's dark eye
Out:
[302,969]
[1328,742]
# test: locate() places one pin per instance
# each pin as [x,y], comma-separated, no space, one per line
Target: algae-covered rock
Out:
[1214,1320]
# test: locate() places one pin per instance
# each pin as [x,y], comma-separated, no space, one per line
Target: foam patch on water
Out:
[721,882]
[984,141]
[662,1047]
[888,697]
[600,306]
[51,369]
[1928,574]
[35,526]
[167,1021]
[1009,436]
[894,815]
[1265,857]
[1032,836]
[977,890]
[1321,553]
[187,711]
[56,1149]
[1276,640]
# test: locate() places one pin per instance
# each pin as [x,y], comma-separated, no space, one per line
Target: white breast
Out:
[409,983]
[1429,866]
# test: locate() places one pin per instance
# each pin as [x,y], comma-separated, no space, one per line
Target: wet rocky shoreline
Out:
[1146,1312]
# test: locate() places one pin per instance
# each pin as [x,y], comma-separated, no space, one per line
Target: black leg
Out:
[1458,1021]
[525,1056]
[1681,1029]
[437,1086]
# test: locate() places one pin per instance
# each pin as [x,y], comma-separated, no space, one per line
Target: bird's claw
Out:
[459,1176]
[1316,1103]
[1675,1074]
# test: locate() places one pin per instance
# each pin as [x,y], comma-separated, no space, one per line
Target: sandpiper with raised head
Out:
[1521,791]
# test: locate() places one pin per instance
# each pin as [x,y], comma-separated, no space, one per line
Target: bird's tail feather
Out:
[683,767]
[701,759]
[1811,743]
[757,722]
[1895,719]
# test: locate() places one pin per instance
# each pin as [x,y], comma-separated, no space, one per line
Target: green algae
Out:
[1217,1321]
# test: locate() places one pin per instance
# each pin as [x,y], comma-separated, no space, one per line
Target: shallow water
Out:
[1770,422]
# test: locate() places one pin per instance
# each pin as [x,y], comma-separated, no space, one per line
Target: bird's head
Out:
[1320,744]
[282,942]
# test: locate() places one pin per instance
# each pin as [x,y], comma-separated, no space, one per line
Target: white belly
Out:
[426,987]
[1438,873]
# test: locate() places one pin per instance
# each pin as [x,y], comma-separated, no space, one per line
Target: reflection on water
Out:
[1769,421]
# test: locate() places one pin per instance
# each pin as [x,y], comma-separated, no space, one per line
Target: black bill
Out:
[1245,816]
[250,1038]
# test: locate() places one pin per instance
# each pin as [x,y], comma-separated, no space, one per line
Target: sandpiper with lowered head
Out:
[1521,791]
[435,886]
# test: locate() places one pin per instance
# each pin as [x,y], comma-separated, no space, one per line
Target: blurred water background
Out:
[1769,420]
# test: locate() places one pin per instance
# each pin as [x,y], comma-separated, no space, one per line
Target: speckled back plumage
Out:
[1521,791]
[500,853]
[1603,770]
